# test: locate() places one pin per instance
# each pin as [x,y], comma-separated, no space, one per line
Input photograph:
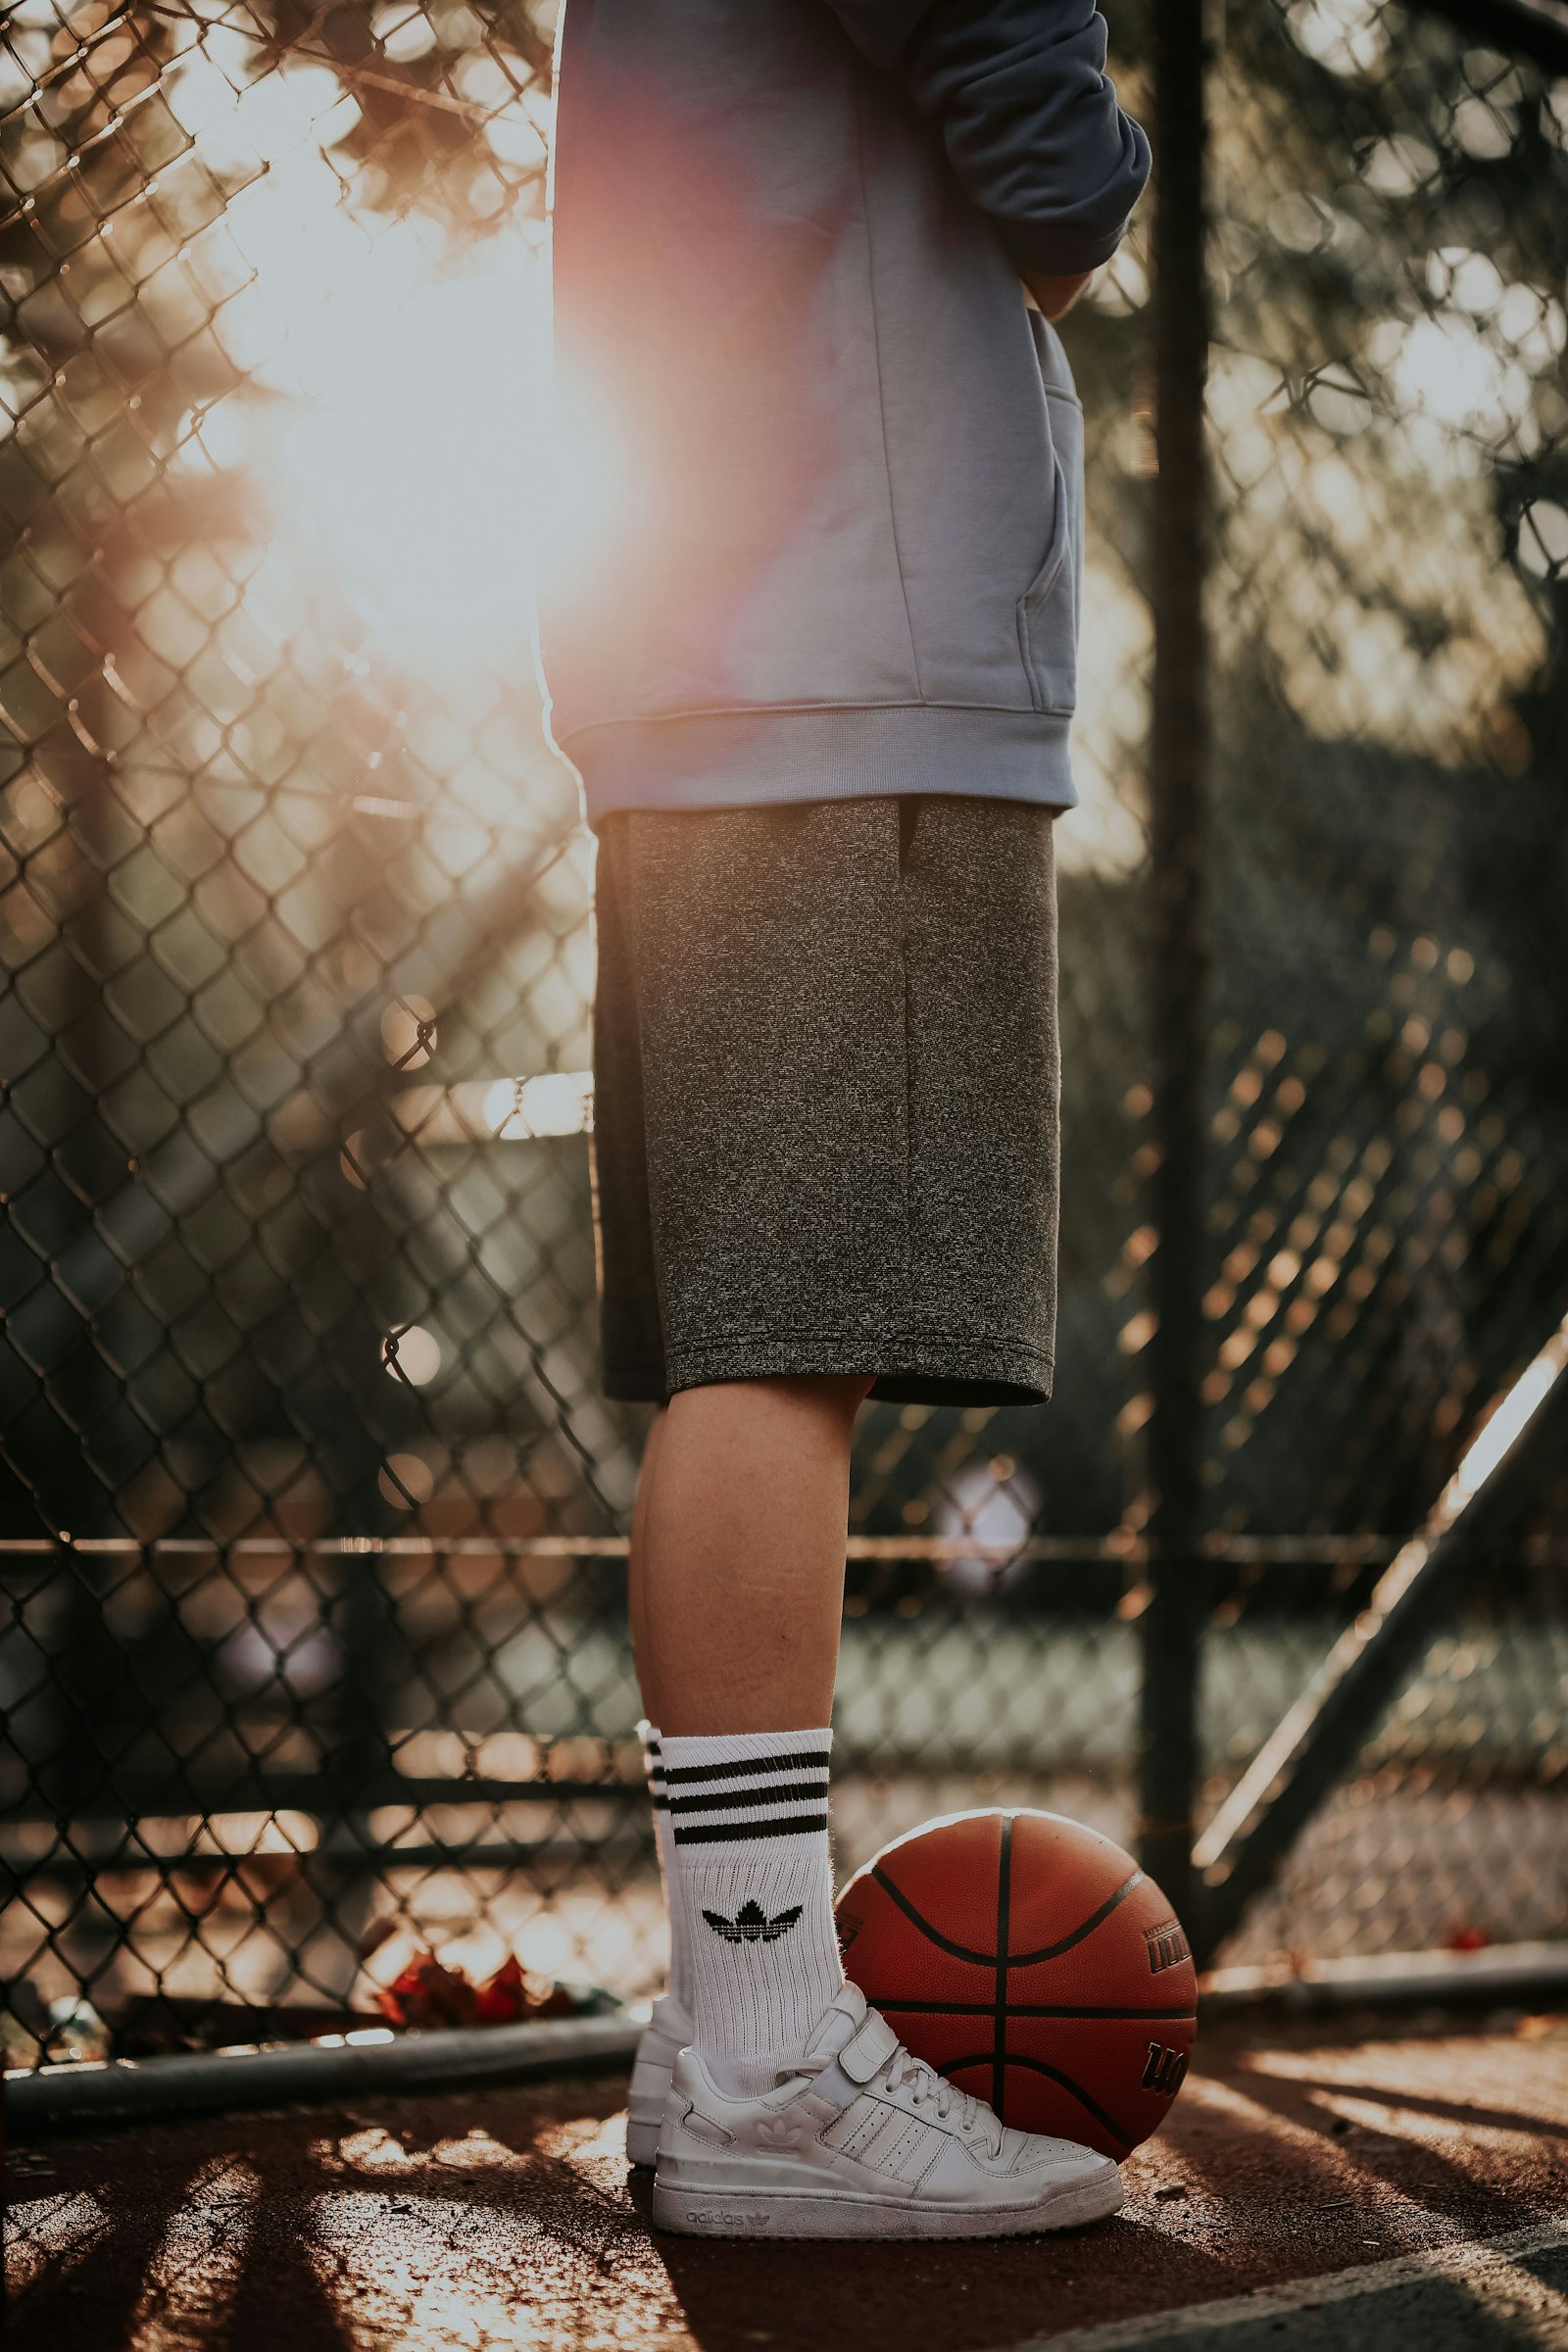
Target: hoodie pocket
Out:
[1047,611]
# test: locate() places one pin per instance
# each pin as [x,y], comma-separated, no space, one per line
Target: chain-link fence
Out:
[315,1652]
[1389,415]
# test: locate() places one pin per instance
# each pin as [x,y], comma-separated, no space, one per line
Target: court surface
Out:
[1355,2189]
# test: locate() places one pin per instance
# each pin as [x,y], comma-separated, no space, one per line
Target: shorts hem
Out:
[907,1367]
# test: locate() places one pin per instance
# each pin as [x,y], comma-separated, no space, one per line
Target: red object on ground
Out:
[1032,1962]
[505,1997]
[425,1993]
[512,1995]
[429,1993]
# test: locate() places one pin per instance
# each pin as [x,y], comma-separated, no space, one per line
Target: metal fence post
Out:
[1172,1623]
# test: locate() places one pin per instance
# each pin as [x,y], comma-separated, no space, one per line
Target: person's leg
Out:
[795,2110]
[740,1579]
[741,1567]
[747,1540]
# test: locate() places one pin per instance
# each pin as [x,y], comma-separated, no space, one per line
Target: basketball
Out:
[1031,1961]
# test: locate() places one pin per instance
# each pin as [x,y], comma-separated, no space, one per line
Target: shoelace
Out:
[903,2070]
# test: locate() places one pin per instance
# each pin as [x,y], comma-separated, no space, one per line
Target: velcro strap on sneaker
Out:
[867,2051]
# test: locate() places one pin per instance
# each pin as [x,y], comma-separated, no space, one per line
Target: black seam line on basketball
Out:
[1054,1951]
[1025,2009]
[1037,2066]
[998,2045]
[945,1944]
[753,1768]
[719,1800]
[962,1951]
[708,1835]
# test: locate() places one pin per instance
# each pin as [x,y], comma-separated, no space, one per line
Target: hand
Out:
[1054,296]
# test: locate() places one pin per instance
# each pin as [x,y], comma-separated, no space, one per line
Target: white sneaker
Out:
[664,2037]
[862,2140]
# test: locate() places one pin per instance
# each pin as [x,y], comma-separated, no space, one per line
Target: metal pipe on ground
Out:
[1499,1975]
[225,2081]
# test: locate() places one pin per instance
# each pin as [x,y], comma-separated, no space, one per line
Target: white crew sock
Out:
[752,1886]
[680,1983]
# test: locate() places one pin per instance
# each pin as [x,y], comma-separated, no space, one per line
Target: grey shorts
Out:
[826,1088]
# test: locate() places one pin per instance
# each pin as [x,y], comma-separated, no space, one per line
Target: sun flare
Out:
[398,422]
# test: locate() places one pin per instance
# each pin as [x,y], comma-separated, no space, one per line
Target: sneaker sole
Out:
[645,2106]
[642,2136]
[791,2212]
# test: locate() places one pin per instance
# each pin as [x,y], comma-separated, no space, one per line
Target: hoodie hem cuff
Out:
[754,758]
[1055,252]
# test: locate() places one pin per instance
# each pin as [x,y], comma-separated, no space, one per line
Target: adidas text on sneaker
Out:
[862,2140]
[666,2035]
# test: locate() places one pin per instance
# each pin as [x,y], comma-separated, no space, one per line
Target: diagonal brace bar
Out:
[1319,1737]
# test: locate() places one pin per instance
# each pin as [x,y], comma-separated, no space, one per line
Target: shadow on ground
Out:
[501,2217]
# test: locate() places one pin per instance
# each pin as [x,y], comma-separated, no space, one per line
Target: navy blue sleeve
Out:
[1028,116]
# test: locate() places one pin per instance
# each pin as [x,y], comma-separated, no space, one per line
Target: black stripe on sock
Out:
[752,1768]
[711,1833]
[658,1800]
[719,1800]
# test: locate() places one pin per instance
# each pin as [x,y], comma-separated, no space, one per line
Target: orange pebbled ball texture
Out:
[1031,1960]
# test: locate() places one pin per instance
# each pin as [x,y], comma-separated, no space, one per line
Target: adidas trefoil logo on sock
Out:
[751,1925]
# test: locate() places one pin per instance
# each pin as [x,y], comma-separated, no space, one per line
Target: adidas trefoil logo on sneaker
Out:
[751,1925]
[782,2135]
